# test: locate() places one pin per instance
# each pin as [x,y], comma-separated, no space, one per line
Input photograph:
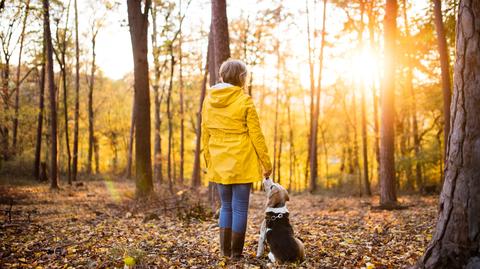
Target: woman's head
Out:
[234,72]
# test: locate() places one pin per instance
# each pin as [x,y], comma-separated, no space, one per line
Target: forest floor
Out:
[99,224]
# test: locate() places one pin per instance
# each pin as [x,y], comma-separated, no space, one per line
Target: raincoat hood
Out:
[223,94]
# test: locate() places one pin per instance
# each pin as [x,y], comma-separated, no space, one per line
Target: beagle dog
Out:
[276,228]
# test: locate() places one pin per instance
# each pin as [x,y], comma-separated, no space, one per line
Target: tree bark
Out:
[170,171]
[220,53]
[316,111]
[41,108]
[62,63]
[182,114]
[388,195]
[138,24]
[158,70]
[277,101]
[413,103]
[91,120]
[131,139]
[445,67]
[17,80]
[456,240]
[77,99]
[371,31]
[366,182]
[198,131]
[221,40]
[52,97]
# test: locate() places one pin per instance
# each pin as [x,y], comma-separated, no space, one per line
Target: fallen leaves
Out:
[99,226]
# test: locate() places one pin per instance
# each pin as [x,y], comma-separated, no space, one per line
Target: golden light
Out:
[365,68]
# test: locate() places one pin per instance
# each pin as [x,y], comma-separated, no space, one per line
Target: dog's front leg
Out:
[261,239]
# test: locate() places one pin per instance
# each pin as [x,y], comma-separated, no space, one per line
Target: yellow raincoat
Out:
[233,143]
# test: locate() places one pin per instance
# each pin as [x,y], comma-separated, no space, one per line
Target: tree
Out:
[366,182]
[52,92]
[410,91]
[170,121]
[61,59]
[41,108]
[181,91]
[221,40]
[158,70]
[220,52]
[77,98]
[316,110]
[92,140]
[17,80]
[445,68]
[388,195]
[198,130]
[138,24]
[456,240]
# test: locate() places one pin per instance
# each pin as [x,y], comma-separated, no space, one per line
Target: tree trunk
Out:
[182,114]
[316,112]
[277,101]
[77,98]
[220,52]
[456,241]
[221,40]
[41,106]
[63,71]
[6,108]
[312,96]
[158,70]
[388,195]
[198,131]
[131,139]
[371,31]
[138,23]
[17,80]
[445,67]
[51,90]
[91,130]
[366,182]
[411,90]
[170,122]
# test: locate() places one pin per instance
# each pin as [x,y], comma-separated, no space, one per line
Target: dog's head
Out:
[277,195]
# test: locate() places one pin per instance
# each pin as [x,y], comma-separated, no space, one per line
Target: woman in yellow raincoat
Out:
[235,152]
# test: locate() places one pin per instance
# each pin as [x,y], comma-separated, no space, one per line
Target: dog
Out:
[276,228]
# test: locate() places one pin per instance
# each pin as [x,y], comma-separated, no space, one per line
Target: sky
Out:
[113,46]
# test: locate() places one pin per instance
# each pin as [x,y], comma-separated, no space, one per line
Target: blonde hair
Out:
[234,72]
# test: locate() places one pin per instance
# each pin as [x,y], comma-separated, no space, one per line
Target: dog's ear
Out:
[287,197]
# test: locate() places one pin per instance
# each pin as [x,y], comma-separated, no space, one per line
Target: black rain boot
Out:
[238,239]
[225,241]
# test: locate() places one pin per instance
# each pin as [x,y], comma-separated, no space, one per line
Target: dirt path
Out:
[99,224]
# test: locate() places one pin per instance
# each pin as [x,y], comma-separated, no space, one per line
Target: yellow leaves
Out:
[71,250]
[129,261]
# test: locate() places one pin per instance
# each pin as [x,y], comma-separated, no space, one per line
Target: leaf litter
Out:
[100,225]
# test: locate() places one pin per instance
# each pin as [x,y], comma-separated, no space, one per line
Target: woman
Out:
[235,152]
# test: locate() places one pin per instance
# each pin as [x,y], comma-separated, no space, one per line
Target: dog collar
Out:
[277,210]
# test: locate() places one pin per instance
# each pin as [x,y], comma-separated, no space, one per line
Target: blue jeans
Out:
[234,210]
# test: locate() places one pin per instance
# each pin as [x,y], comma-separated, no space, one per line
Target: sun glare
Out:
[365,68]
